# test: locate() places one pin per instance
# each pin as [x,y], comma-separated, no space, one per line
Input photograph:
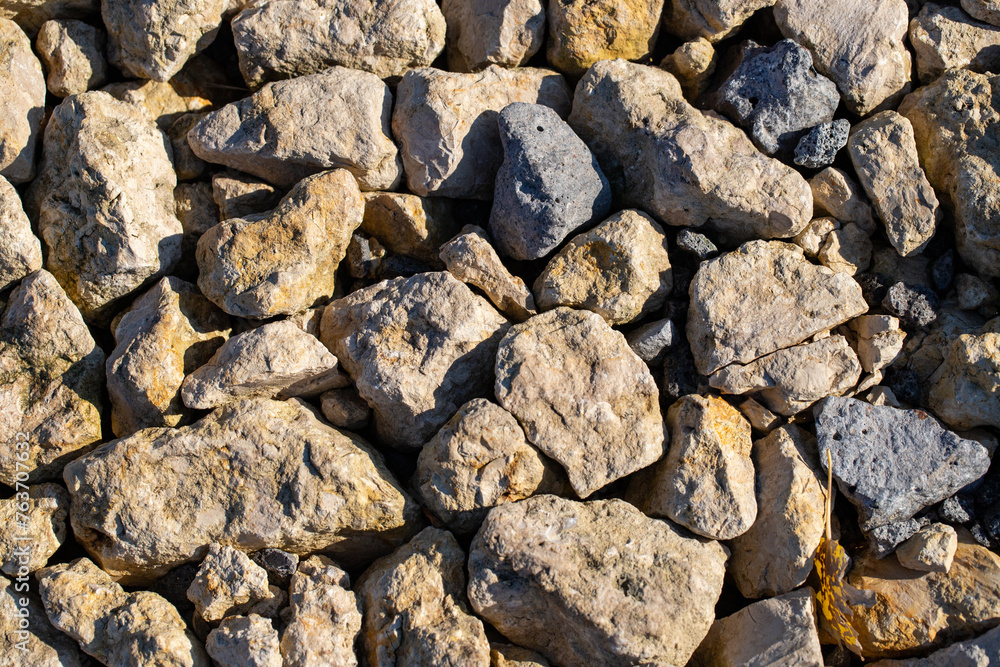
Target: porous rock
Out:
[73,55]
[22,86]
[228,583]
[819,146]
[492,32]
[35,533]
[581,32]
[244,641]
[20,249]
[325,617]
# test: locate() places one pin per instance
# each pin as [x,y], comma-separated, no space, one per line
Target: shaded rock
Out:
[491,32]
[834,193]
[974,292]
[759,417]
[650,341]
[583,397]
[22,85]
[893,463]
[247,455]
[446,123]
[244,641]
[883,540]
[165,102]
[286,260]
[279,565]
[582,32]
[693,64]
[712,19]
[187,165]
[35,533]
[288,130]
[879,341]
[965,390]
[846,250]
[856,44]
[20,249]
[410,225]
[696,244]
[51,381]
[946,37]
[819,146]
[680,164]
[239,195]
[325,617]
[197,211]
[36,642]
[812,238]
[415,610]
[984,10]
[508,655]
[31,14]
[761,298]
[930,550]
[344,408]
[979,652]
[551,574]
[228,583]
[915,305]
[73,55]
[548,186]
[279,39]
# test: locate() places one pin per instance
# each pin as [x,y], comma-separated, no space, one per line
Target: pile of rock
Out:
[497,332]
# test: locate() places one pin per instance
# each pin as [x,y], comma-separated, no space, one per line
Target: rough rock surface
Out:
[325,617]
[410,225]
[651,341]
[879,340]
[581,394]
[344,408]
[244,641]
[548,186]
[984,10]
[446,123]
[73,55]
[41,528]
[834,193]
[662,155]
[20,249]
[915,305]
[31,14]
[761,298]
[509,655]
[846,250]
[594,583]
[965,390]
[581,32]
[175,491]
[239,195]
[819,146]
[710,19]
[932,549]
[105,242]
[415,609]
[228,583]
[417,348]
[945,37]
[283,261]
[980,652]
[337,118]
[42,644]
[492,32]
[693,63]
[282,39]
[22,85]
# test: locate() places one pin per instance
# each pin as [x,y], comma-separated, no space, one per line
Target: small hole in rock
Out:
[540,128]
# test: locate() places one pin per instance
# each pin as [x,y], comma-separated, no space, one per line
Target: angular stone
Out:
[812,238]
[548,186]
[706,480]
[244,641]
[857,44]
[594,583]
[834,193]
[41,527]
[893,463]
[105,243]
[581,394]
[693,64]
[884,154]
[879,340]
[288,130]
[974,292]
[410,225]
[711,19]
[965,390]
[984,10]
[776,554]
[344,408]
[239,195]
[790,380]
[283,261]
[978,652]
[846,250]
[761,298]
[187,165]
[650,341]
[51,382]
[759,417]
[446,124]
[20,249]
[116,627]
[31,14]
[282,39]
[325,617]
[417,348]
[683,166]
[22,86]
[509,655]
[169,331]
[415,610]
[946,37]
[819,146]
[915,305]
[228,583]
[581,32]
[36,642]
[280,565]
[298,484]
[775,94]
[930,550]
[73,55]
[165,102]
[492,32]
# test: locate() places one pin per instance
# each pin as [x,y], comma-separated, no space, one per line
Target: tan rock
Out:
[946,37]
[20,249]
[31,14]
[932,549]
[693,64]
[582,32]
[410,225]
[34,642]
[22,86]
[711,19]
[846,250]
[35,533]
[812,238]
[834,193]
[508,655]
[492,32]
[325,617]
[227,583]
[880,340]
[965,389]
[759,417]
[73,55]
[984,10]
[244,641]
[239,195]
[978,651]
[187,165]
[344,408]
[163,103]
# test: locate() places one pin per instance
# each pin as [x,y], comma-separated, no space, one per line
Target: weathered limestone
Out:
[73,55]
[492,32]
[20,249]
[40,529]
[22,85]
[325,617]
[581,32]
[965,390]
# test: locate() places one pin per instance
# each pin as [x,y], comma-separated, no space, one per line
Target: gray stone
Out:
[695,244]
[983,651]
[492,32]
[915,305]
[20,249]
[36,527]
[239,195]
[73,55]
[244,641]
[892,463]
[883,540]
[974,292]
[651,341]
[337,118]
[819,146]
[344,408]
[280,565]
[930,550]
[325,617]
[582,32]
[775,94]
[22,86]
[984,10]
[548,186]
[594,583]
[228,583]
[710,19]
[33,642]
[946,37]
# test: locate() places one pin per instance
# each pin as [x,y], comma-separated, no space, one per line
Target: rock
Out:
[965,390]
[693,64]
[36,527]
[979,651]
[879,341]
[410,225]
[22,86]
[37,643]
[663,156]
[73,55]
[812,238]
[781,630]
[915,305]
[415,610]
[248,454]
[280,566]
[775,555]
[695,244]
[945,37]
[446,124]
[582,33]
[846,250]
[790,380]
[228,583]
[548,186]
[650,341]
[105,243]
[856,44]
[834,193]
[169,331]
[761,298]
[759,417]
[884,154]
[268,135]
[930,550]
[775,94]
[239,195]
[706,480]
[31,14]
[974,292]
[197,211]
[187,165]
[508,655]
[470,258]
[51,382]
[116,627]
[954,119]
[20,249]
[893,463]
[551,574]
[583,397]
[819,146]
[165,103]
[274,360]
[286,260]
[984,10]
[918,613]
[344,408]
[487,32]
[417,348]
[711,19]
[883,540]
[325,617]
[278,39]
[244,641]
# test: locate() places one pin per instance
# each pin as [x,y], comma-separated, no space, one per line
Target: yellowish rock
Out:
[693,63]
[835,194]
[846,250]
[410,225]
[581,32]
